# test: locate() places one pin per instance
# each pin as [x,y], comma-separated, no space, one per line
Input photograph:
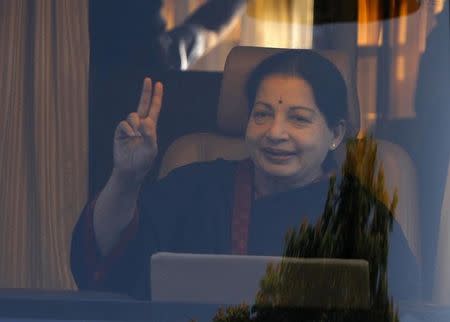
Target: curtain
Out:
[44,53]
[441,290]
[391,50]
[278,23]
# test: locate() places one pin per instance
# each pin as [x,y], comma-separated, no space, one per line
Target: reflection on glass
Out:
[356,224]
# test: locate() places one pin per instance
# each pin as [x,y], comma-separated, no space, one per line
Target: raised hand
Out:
[135,139]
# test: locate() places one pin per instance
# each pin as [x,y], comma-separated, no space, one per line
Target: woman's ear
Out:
[338,132]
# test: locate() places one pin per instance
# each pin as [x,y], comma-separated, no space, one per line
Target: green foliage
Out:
[239,313]
[355,224]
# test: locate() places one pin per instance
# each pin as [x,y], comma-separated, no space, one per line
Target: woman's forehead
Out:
[286,91]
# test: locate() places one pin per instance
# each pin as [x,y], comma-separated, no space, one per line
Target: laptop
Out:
[235,279]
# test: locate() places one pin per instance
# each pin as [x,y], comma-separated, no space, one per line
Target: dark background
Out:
[125,48]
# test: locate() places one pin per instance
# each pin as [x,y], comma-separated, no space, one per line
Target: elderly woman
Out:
[297,116]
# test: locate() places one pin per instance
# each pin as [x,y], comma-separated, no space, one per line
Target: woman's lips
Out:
[277,154]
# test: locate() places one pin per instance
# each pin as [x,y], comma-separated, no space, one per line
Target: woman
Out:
[297,112]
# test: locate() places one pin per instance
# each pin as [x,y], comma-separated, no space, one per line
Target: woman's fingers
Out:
[143,122]
[150,106]
[140,127]
[124,130]
[134,121]
[148,129]
[145,100]
[156,103]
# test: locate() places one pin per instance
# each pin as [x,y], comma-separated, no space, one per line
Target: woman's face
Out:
[287,135]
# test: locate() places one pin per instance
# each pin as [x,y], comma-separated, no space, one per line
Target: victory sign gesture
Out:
[135,139]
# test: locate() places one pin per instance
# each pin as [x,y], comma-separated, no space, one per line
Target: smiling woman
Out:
[298,115]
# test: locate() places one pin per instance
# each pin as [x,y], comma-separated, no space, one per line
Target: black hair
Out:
[328,85]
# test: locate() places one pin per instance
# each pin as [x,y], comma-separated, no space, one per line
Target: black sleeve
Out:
[162,209]
[90,268]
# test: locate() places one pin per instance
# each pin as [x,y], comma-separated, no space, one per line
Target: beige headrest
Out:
[232,111]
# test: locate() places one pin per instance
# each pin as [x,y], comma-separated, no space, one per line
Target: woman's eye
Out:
[261,116]
[300,119]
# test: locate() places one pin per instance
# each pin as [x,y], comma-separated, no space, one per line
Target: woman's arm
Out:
[113,212]
[135,149]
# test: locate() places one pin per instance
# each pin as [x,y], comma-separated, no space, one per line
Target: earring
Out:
[333,146]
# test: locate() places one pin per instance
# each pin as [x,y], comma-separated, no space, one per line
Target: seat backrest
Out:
[232,116]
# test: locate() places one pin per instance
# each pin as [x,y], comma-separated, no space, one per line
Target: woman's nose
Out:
[277,130]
